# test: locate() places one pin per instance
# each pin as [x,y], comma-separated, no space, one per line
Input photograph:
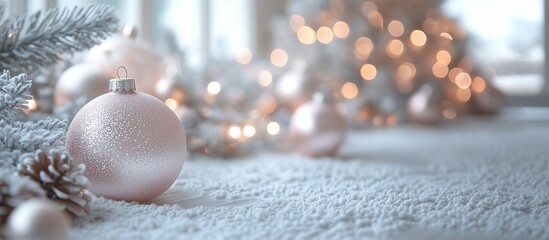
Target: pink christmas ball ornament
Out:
[316,128]
[132,144]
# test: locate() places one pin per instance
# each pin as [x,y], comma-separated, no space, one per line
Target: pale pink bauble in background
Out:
[136,56]
[317,129]
[132,144]
[80,80]
[294,88]
[425,106]
[488,101]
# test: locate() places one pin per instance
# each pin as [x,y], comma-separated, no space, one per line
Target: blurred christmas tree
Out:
[379,53]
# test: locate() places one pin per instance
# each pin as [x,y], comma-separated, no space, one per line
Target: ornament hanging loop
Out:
[125,72]
[126,85]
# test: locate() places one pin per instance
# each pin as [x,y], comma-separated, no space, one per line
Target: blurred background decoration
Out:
[235,71]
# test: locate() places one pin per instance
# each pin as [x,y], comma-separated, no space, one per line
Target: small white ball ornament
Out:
[38,219]
[316,128]
[132,144]
[425,106]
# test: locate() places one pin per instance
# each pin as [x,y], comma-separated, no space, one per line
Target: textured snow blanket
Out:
[464,180]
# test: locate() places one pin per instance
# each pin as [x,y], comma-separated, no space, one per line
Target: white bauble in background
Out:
[136,56]
[38,219]
[80,80]
[425,106]
[317,128]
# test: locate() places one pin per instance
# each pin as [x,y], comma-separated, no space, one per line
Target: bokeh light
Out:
[171,103]
[214,88]
[341,29]
[395,48]
[447,36]
[405,86]
[448,110]
[478,84]
[444,56]
[440,69]
[248,131]
[273,128]
[396,29]
[235,132]
[296,22]
[31,105]
[243,56]
[349,90]
[375,19]
[364,45]
[324,35]
[463,95]
[279,57]
[265,78]
[406,71]
[463,80]
[368,71]
[306,35]
[418,38]
[453,74]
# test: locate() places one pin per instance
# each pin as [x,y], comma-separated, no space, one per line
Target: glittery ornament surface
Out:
[132,144]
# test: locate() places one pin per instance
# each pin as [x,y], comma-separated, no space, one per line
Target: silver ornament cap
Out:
[122,84]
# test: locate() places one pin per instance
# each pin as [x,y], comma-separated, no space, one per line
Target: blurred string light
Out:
[463,80]
[341,29]
[395,28]
[171,103]
[478,85]
[273,128]
[248,131]
[395,48]
[349,90]
[364,45]
[444,56]
[296,22]
[447,36]
[324,35]
[214,87]
[368,71]
[234,132]
[418,38]
[376,19]
[306,35]
[279,57]
[406,71]
[265,78]
[440,69]
[32,105]
[463,95]
[243,56]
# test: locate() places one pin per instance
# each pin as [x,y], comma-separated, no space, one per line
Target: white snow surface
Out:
[479,179]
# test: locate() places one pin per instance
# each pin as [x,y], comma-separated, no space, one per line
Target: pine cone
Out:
[14,190]
[62,180]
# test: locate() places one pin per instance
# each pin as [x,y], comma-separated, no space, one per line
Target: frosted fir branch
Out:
[36,40]
[18,138]
[12,94]
[30,136]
